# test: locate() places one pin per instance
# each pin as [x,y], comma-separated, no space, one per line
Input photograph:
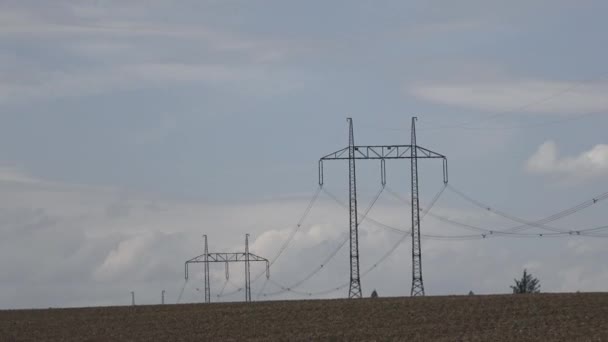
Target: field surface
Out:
[544,317]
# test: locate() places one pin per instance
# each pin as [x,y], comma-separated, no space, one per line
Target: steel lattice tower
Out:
[355,281]
[227,258]
[383,152]
[206,270]
[417,283]
[247,271]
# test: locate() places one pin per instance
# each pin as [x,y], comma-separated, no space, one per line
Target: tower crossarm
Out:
[383,152]
[245,257]
[226,257]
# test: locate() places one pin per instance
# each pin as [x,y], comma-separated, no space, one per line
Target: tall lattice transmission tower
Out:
[382,153]
[417,283]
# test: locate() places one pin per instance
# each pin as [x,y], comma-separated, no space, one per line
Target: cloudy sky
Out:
[130,128]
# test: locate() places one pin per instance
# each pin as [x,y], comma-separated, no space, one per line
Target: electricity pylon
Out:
[226,258]
[382,153]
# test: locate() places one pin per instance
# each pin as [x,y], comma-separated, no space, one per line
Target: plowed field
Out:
[544,317]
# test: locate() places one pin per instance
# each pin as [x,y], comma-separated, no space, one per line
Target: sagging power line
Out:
[382,152]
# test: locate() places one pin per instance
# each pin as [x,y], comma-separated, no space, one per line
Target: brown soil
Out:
[542,317]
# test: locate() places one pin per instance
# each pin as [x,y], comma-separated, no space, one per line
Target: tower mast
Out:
[355,281]
[417,284]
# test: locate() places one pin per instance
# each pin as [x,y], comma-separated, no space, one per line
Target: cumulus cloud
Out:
[528,96]
[589,164]
[125,257]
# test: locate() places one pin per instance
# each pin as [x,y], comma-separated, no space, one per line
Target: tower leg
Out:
[206,270]
[355,280]
[247,271]
[417,283]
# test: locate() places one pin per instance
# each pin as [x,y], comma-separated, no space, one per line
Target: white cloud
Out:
[105,48]
[108,29]
[521,96]
[589,164]
[125,257]
[93,257]
[93,81]
[14,174]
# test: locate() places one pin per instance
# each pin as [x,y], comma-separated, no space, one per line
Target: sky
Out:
[128,129]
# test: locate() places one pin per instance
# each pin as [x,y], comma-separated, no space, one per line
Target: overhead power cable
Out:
[426,211]
[223,288]
[238,289]
[368,218]
[493,232]
[329,257]
[181,292]
[377,263]
[263,288]
[297,228]
[286,243]
[526,223]
[486,234]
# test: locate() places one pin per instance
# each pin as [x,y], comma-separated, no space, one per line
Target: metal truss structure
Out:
[382,153]
[227,258]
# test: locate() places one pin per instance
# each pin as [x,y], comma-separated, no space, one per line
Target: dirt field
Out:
[545,317]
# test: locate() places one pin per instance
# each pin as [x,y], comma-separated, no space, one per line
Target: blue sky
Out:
[129,128]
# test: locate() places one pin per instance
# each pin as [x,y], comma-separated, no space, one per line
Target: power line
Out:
[504,233]
[381,153]
[297,228]
[285,243]
[377,263]
[526,223]
[330,257]
[299,224]
[486,233]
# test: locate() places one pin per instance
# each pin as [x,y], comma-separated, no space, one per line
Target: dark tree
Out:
[527,284]
[374,294]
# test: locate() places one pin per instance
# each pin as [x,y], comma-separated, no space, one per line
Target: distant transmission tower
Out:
[206,270]
[226,258]
[247,270]
[383,152]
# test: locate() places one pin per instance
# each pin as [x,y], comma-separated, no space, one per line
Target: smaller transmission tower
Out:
[206,270]
[227,258]
[247,271]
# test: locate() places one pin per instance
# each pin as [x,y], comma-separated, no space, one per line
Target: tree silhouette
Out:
[374,294]
[527,284]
